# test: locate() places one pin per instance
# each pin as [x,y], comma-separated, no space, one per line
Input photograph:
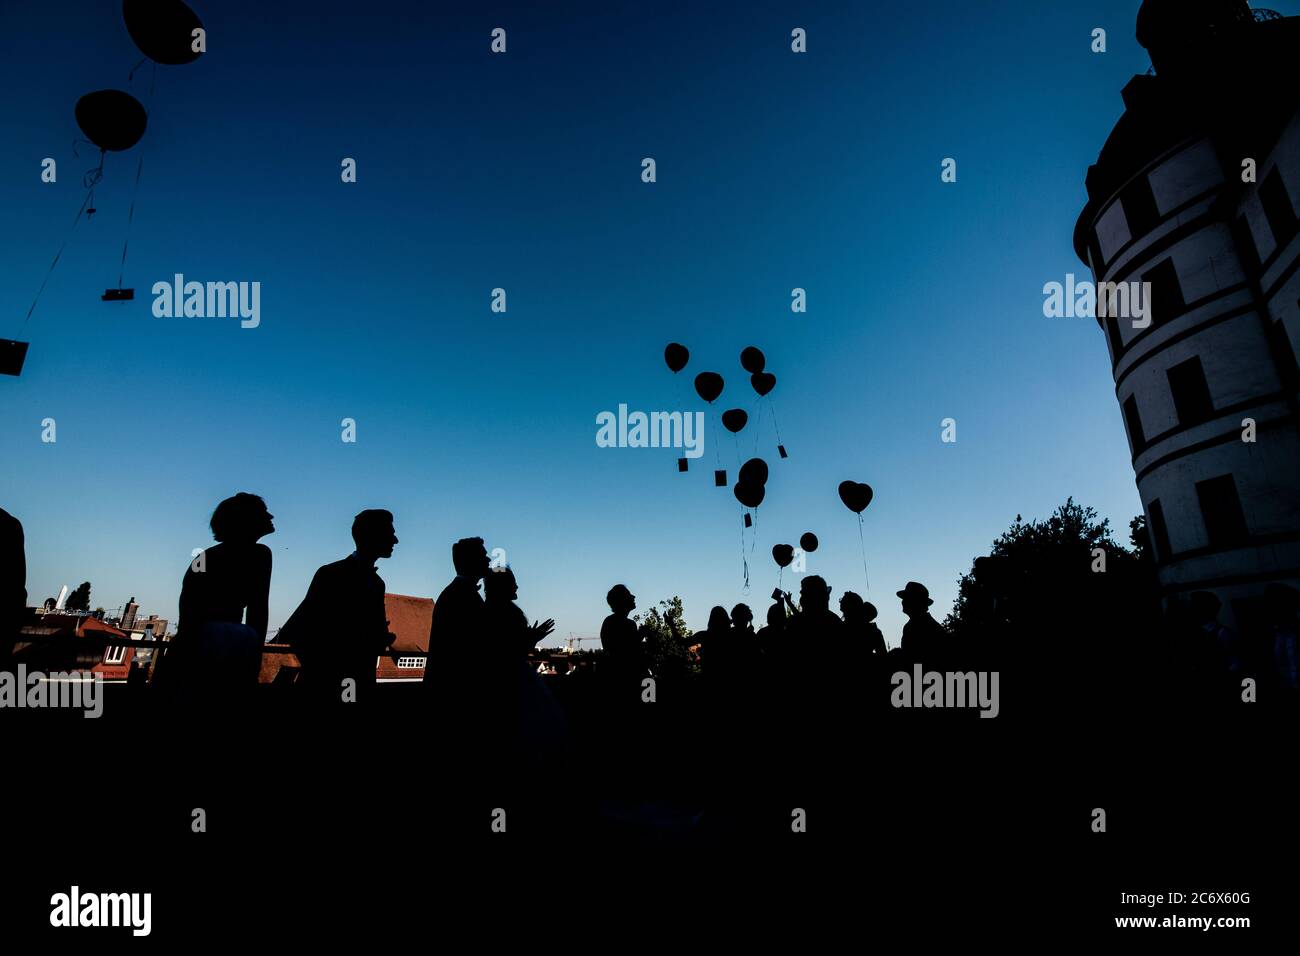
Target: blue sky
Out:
[522,171]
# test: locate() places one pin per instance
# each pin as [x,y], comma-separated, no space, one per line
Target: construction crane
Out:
[571,640]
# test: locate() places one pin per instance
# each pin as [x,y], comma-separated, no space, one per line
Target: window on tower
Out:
[1277,208]
[1136,438]
[1140,210]
[1225,524]
[1159,530]
[1166,294]
[1192,398]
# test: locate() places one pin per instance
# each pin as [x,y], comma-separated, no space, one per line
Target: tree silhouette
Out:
[79,600]
[666,637]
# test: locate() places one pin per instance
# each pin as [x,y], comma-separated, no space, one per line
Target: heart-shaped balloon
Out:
[754,472]
[749,493]
[708,385]
[752,360]
[763,382]
[734,419]
[856,495]
[782,554]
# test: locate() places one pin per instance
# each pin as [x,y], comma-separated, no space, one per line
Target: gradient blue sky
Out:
[523,171]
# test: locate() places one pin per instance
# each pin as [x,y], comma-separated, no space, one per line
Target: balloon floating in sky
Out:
[808,542]
[763,382]
[782,554]
[749,493]
[708,385]
[676,355]
[855,495]
[754,472]
[163,30]
[752,360]
[734,419]
[111,119]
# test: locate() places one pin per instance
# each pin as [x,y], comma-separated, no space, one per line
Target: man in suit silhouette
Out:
[458,614]
[13,583]
[341,627]
[924,638]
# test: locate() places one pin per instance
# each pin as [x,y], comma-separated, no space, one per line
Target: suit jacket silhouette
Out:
[340,628]
[458,616]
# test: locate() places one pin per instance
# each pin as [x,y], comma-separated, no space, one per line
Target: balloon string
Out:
[744,561]
[84,203]
[774,424]
[130,217]
[863,545]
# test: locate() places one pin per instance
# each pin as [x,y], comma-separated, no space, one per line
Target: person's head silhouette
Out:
[241,519]
[814,594]
[500,585]
[916,599]
[719,619]
[776,615]
[372,530]
[470,558]
[851,607]
[620,599]
[741,617]
[869,611]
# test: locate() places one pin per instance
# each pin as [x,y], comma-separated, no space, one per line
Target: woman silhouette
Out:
[223,604]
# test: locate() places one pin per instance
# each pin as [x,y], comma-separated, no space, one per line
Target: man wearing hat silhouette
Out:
[924,638]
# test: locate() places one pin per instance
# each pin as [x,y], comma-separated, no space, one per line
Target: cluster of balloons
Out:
[710,385]
[751,487]
[783,554]
[114,120]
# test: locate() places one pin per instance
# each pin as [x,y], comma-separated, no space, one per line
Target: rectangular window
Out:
[1225,524]
[1166,294]
[114,655]
[1159,532]
[410,663]
[1277,208]
[1246,242]
[1136,439]
[1140,210]
[1191,393]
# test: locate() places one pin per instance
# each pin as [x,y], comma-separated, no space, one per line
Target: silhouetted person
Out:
[341,627]
[716,651]
[458,616]
[13,583]
[223,604]
[865,640]
[620,640]
[507,628]
[924,638]
[770,634]
[815,627]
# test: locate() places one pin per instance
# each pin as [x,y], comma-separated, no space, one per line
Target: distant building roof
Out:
[409,618]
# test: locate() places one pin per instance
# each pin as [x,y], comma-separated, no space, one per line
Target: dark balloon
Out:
[808,542]
[708,385]
[676,356]
[749,493]
[752,360]
[734,419]
[782,554]
[856,495]
[754,472]
[763,382]
[162,29]
[111,119]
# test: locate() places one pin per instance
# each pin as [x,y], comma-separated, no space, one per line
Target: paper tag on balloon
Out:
[720,478]
[781,451]
[682,464]
[749,522]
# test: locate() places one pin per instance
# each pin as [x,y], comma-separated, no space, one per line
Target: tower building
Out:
[1196,192]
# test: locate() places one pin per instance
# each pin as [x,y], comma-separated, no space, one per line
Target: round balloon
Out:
[111,119]
[808,542]
[708,385]
[763,382]
[752,360]
[676,356]
[855,495]
[749,493]
[782,554]
[734,419]
[162,29]
[754,472]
